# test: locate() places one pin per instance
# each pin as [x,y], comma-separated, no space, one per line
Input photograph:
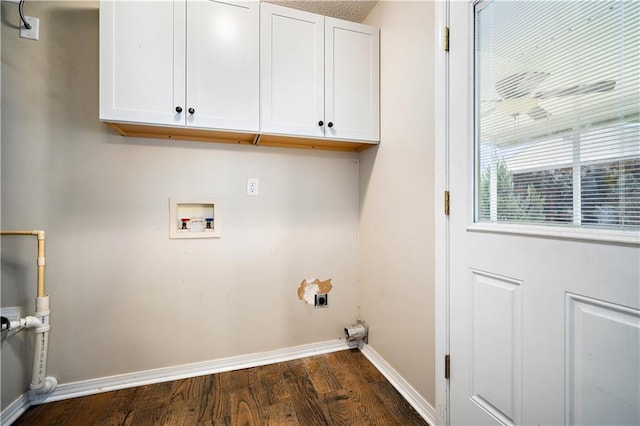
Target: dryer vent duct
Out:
[357,332]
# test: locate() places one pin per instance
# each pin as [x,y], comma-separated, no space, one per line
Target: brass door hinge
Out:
[446,203]
[446,39]
[447,366]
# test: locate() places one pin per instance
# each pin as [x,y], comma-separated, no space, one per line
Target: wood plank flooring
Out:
[340,388]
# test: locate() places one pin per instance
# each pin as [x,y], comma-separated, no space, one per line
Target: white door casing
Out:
[543,329]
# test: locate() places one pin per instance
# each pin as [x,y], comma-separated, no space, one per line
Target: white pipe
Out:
[21,323]
[40,382]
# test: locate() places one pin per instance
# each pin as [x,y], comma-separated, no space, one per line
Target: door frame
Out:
[442,253]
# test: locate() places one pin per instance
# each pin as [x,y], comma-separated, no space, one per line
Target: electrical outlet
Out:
[34,32]
[321,300]
[252,186]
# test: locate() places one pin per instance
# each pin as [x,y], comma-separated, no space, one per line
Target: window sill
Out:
[607,236]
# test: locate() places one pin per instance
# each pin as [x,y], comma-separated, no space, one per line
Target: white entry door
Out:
[544,282]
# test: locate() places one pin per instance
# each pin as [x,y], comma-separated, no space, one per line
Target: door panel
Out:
[543,329]
[495,346]
[223,64]
[602,358]
[352,80]
[292,71]
[142,64]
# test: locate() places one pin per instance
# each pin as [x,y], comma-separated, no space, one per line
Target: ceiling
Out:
[351,10]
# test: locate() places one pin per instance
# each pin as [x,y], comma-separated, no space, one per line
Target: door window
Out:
[557,123]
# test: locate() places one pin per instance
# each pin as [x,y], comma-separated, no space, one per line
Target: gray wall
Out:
[396,198]
[124,297]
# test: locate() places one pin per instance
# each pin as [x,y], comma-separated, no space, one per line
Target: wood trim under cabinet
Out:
[250,138]
[286,141]
[181,133]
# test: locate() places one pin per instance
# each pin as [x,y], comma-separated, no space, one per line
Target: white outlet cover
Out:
[252,186]
[34,32]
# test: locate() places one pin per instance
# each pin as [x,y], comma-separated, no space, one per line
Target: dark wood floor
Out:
[340,388]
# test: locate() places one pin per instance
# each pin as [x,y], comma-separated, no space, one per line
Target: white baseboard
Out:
[159,375]
[15,410]
[412,396]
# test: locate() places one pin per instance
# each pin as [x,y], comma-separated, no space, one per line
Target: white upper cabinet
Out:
[319,76]
[238,72]
[292,71]
[222,64]
[142,56]
[352,80]
[180,63]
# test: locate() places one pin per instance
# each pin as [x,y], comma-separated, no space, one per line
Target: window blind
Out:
[557,123]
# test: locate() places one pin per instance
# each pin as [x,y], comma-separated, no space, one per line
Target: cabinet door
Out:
[142,54]
[352,80]
[292,71]
[223,64]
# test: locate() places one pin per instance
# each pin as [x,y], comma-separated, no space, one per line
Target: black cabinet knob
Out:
[320,123]
[330,124]
[178,109]
[192,110]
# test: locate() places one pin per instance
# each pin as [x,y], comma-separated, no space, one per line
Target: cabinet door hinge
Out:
[447,367]
[446,39]
[446,203]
